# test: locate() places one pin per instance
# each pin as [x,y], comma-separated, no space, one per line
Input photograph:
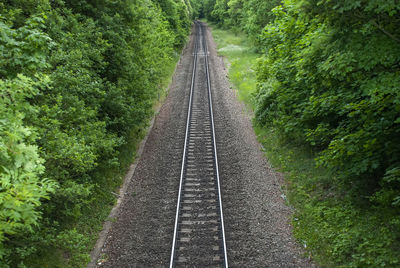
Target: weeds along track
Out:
[199,236]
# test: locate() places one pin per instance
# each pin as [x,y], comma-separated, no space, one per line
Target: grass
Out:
[335,230]
[241,59]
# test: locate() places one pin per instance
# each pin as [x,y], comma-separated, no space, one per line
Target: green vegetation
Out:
[241,61]
[327,107]
[78,80]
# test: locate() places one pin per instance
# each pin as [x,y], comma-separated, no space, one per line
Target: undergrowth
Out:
[241,59]
[335,227]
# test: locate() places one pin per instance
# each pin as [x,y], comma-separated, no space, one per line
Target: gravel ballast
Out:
[257,225]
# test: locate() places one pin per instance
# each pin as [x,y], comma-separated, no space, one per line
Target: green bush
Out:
[78,80]
[22,186]
[331,80]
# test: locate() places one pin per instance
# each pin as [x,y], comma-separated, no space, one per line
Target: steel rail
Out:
[184,151]
[215,151]
[200,45]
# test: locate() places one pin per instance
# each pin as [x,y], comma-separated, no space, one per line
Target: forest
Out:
[328,81]
[78,81]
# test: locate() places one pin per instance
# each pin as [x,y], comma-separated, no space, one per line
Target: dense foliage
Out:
[330,77]
[77,80]
[329,81]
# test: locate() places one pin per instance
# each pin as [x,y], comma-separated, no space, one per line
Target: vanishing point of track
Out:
[199,236]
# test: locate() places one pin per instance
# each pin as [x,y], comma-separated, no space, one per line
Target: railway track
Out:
[199,237]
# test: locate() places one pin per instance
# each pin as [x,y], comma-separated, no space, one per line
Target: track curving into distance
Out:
[199,235]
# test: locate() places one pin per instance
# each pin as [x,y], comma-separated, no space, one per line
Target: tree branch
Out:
[386,32]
